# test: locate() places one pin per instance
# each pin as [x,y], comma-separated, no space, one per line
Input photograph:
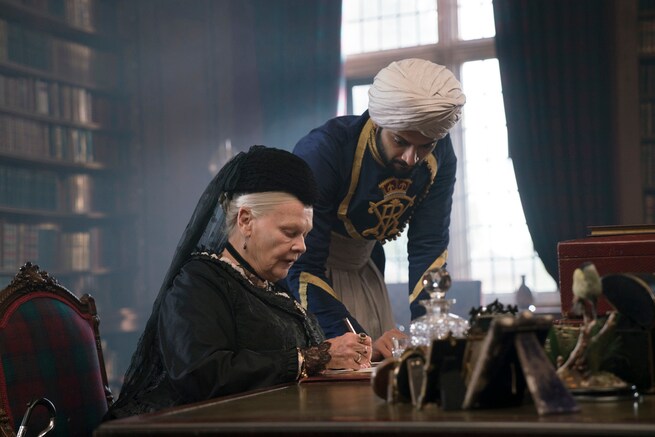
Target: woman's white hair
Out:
[258,203]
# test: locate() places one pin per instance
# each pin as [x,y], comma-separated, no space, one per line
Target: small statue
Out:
[576,372]
[587,288]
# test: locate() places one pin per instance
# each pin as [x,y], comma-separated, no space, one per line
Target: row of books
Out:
[50,248]
[46,98]
[56,56]
[646,120]
[647,81]
[23,242]
[647,37]
[45,190]
[79,13]
[23,137]
[76,194]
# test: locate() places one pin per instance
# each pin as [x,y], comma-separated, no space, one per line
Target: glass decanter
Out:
[437,323]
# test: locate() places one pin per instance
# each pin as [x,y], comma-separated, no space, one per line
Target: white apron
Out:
[358,283]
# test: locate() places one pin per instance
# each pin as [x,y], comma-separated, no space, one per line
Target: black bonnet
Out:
[264,169]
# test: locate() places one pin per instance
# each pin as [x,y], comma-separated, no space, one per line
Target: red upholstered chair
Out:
[50,347]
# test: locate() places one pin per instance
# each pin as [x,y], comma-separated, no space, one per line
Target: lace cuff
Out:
[313,360]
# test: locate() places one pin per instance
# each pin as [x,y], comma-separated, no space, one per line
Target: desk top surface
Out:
[352,407]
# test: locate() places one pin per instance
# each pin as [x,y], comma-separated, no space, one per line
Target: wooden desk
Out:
[351,407]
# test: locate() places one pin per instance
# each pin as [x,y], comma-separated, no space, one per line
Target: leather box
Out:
[629,253]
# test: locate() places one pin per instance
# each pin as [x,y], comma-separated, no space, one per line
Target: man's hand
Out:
[382,346]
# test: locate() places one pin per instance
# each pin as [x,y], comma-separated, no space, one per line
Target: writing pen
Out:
[350,326]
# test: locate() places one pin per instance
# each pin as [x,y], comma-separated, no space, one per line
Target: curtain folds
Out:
[555,66]
[277,66]
[298,62]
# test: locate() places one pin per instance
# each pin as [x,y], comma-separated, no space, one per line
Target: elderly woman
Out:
[221,324]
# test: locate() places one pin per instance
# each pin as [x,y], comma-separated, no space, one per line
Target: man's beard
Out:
[396,166]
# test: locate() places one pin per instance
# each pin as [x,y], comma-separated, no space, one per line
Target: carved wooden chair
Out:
[50,347]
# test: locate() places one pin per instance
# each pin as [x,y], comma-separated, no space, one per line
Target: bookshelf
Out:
[646,51]
[65,153]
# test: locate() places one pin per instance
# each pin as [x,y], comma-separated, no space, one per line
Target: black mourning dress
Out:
[219,334]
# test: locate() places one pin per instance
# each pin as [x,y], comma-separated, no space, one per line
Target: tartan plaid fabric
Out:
[48,349]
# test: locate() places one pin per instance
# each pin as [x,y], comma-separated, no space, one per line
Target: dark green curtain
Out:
[555,66]
[298,60]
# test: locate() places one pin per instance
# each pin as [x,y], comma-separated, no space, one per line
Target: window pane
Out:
[427,25]
[351,38]
[409,34]
[476,19]
[499,245]
[389,35]
[369,35]
[396,270]
[374,25]
[359,96]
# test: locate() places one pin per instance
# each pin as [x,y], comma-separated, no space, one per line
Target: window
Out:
[386,24]
[489,238]
[475,19]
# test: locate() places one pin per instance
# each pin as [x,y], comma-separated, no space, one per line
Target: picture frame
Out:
[510,359]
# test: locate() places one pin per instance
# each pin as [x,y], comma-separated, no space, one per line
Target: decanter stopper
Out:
[437,282]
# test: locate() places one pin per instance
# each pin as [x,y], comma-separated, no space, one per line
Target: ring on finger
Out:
[358,359]
[362,338]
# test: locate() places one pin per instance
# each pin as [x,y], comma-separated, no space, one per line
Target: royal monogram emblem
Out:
[389,210]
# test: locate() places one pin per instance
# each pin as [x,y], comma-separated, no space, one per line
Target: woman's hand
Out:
[383,346]
[350,351]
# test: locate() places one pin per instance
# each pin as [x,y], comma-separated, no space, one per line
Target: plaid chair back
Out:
[50,346]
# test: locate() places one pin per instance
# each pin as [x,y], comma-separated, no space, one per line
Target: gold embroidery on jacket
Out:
[387,227]
[389,210]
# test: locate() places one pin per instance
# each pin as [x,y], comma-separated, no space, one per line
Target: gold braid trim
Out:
[307,278]
[439,262]
[365,137]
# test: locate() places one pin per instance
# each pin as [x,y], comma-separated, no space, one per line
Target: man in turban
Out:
[391,167]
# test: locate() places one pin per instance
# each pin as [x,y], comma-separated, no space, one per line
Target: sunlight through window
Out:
[476,19]
[500,245]
[373,25]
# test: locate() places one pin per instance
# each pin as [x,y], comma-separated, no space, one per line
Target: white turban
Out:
[416,95]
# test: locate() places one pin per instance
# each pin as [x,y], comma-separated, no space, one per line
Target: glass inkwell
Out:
[437,323]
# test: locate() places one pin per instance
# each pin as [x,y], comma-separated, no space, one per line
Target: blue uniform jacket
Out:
[360,198]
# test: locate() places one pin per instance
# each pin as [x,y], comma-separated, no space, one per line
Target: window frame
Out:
[449,50]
